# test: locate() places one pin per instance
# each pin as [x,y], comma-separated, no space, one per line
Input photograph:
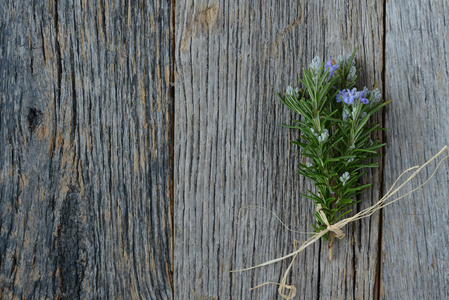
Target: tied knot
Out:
[335,229]
[338,232]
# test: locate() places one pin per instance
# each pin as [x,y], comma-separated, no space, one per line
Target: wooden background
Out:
[133,132]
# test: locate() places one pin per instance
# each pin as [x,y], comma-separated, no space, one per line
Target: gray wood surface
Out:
[230,152]
[415,259]
[86,149]
[111,188]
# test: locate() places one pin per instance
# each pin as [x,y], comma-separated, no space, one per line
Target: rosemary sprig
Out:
[335,134]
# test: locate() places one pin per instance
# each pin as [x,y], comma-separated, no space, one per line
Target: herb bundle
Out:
[335,138]
[335,135]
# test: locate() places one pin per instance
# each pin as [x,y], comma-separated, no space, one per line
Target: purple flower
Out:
[330,66]
[350,96]
[341,95]
[364,100]
[329,62]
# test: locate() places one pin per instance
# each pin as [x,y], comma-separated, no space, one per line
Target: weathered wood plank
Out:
[415,260]
[233,56]
[86,144]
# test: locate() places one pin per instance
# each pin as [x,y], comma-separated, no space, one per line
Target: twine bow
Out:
[331,228]
[336,228]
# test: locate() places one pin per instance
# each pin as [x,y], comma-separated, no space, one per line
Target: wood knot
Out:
[34,118]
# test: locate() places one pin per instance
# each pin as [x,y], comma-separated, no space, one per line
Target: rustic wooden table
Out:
[132,132]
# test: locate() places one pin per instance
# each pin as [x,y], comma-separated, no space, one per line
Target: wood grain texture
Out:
[415,260]
[230,152]
[86,143]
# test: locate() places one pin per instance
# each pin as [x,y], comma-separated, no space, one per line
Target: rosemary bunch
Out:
[335,134]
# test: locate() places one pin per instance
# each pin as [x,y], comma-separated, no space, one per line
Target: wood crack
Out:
[172,145]
[378,278]
[58,53]
[286,29]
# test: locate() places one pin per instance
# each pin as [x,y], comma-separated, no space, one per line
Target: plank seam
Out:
[172,144]
[378,283]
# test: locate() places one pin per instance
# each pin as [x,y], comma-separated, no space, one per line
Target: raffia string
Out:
[338,232]
[337,227]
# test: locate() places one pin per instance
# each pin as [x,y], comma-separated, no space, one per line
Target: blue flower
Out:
[330,66]
[328,63]
[350,96]
[341,95]
[364,100]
